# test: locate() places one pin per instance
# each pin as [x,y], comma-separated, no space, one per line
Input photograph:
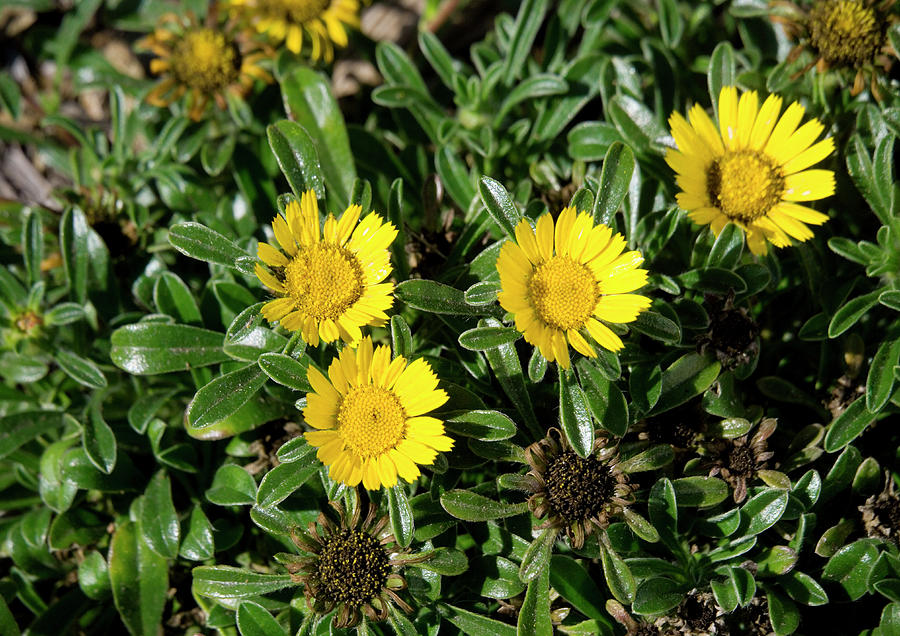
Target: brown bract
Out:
[881,513]
[579,495]
[739,460]
[352,566]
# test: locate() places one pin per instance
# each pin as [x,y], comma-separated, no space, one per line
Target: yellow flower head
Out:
[323,21]
[203,62]
[329,280]
[370,416]
[752,169]
[562,281]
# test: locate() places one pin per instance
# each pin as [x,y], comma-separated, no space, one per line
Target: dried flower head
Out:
[576,494]
[738,461]
[881,513]
[352,566]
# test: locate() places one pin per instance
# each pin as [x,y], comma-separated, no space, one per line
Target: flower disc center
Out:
[324,280]
[371,420]
[563,292]
[745,185]
[205,60]
[352,567]
[578,487]
[844,32]
[297,11]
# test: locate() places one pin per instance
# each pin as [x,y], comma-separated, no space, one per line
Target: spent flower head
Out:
[751,170]
[563,279]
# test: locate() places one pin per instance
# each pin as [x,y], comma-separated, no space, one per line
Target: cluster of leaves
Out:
[151,463]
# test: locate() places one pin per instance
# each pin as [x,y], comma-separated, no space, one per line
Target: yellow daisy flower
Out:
[561,282]
[752,169]
[329,279]
[370,416]
[323,21]
[203,62]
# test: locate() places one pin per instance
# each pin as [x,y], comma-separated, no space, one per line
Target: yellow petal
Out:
[812,155]
[283,235]
[580,344]
[406,467]
[527,241]
[765,122]
[271,256]
[748,108]
[268,279]
[809,185]
[387,470]
[603,335]
[277,309]
[728,116]
[621,308]
[545,236]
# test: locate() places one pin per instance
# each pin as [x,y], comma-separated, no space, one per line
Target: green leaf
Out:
[640,526]
[475,624]
[153,348]
[438,57]
[727,248]
[216,153]
[455,176]
[402,522]
[159,519]
[222,581]
[618,577]
[468,506]
[848,425]
[308,100]
[783,614]
[285,479]
[574,584]
[501,579]
[615,179]
[401,337]
[437,298]
[255,620]
[507,368]
[232,486]
[700,491]
[851,312]
[850,567]
[591,141]
[224,396]
[688,376]
[737,589]
[174,298]
[73,245]
[528,21]
[534,615]
[79,526]
[246,339]
[286,370]
[482,293]
[671,24]
[605,399]
[198,543]
[499,205]
[763,511]
[296,155]
[99,440]
[537,555]
[200,242]
[32,242]
[80,369]
[721,72]
[485,425]
[657,596]
[651,459]
[139,580]
[482,338]
[63,314]
[93,578]
[19,428]
[880,380]
[803,588]
[532,87]
[574,417]
[444,561]
[657,327]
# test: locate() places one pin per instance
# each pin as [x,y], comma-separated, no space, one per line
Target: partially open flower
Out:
[843,34]
[579,495]
[206,62]
[354,567]
[732,333]
[322,22]
[738,461]
[881,513]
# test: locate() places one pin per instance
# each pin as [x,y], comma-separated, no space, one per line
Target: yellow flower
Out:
[752,169]
[329,282]
[323,21]
[560,294]
[370,416]
[202,62]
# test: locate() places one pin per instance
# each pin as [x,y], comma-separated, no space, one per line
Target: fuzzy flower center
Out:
[371,420]
[741,461]
[324,280]
[296,11]
[205,60]
[563,292]
[352,567]
[578,487]
[744,184]
[844,32]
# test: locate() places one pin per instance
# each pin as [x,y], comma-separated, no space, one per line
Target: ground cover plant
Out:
[439,317]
